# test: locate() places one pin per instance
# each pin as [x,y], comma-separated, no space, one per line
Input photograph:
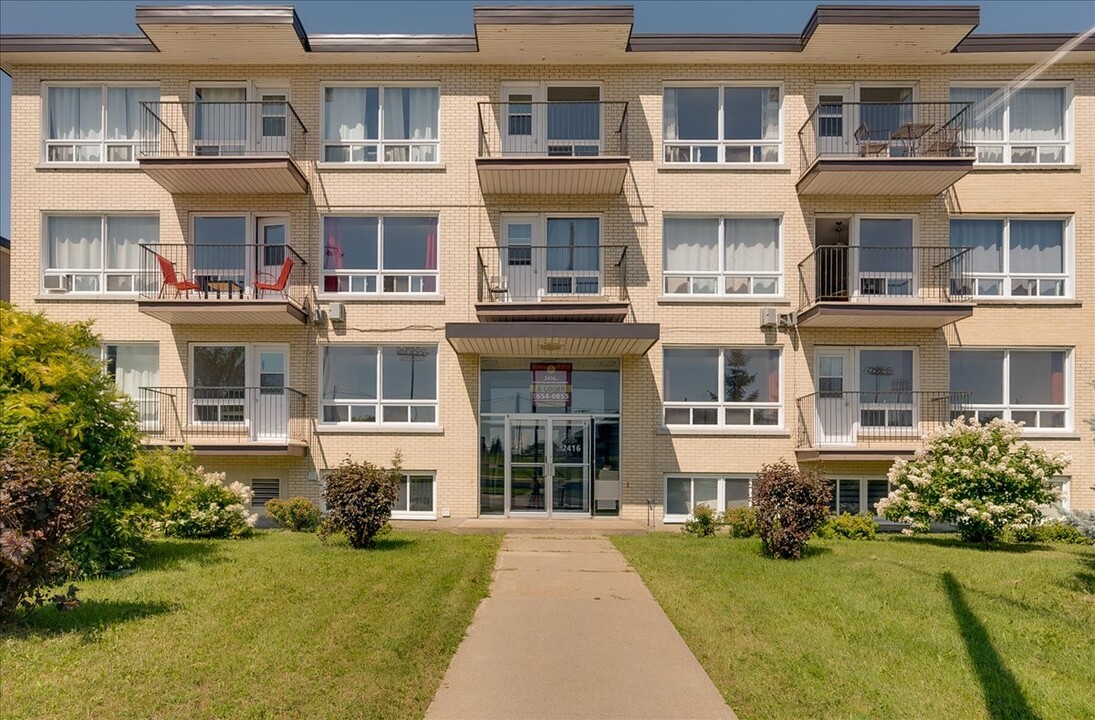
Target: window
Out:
[391,254]
[886,382]
[415,498]
[1020,127]
[722,124]
[263,490]
[683,493]
[855,496]
[96,123]
[133,367]
[219,376]
[379,385]
[1063,484]
[732,387]
[78,260]
[1027,386]
[381,124]
[722,256]
[1013,257]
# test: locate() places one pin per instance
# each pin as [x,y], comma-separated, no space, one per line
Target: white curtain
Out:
[75,113]
[984,239]
[669,114]
[1038,115]
[224,121]
[1036,246]
[984,121]
[75,243]
[135,367]
[124,114]
[123,236]
[345,113]
[691,244]
[752,244]
[410,113]
[769,114]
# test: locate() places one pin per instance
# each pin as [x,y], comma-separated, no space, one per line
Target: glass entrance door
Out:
[547,465]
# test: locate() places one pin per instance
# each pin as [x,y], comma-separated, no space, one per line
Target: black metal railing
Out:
[179,129]
[196,415]
[530,273]
[874,417]
[552,129]
[924,274]
[240,271]
[885,130]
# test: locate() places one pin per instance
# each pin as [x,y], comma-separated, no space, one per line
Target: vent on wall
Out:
[264,489]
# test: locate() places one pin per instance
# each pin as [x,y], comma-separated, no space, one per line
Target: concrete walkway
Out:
[570,631]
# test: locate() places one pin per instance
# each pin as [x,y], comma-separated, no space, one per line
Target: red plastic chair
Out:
[171,278]
[278,285]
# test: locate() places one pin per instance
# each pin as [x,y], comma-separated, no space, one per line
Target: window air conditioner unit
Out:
[56,283]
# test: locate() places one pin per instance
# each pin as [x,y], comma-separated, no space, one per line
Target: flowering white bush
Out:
[207,508]
[981,478]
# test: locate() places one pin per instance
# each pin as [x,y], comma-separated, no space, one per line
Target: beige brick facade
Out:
[467,219]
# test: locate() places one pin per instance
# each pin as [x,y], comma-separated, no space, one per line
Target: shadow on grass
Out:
[172,554]
[382,543]
[90,618]
[1003,696]
[1085,576]
[957,542]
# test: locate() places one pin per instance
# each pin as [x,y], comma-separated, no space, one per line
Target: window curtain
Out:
[1036,246]
[1038,115]
[769,113]
[752,244]
[125,115]
[220,115]
[346,113]
[984,239]
[984,121]
[75,113]
[751,113]
[573,244]
[691,244]
[135,367]
[75,243]
[669,114]
[690,113]
[410,113]
[123,238]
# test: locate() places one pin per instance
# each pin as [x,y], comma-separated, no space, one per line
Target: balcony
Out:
[552,148]
[223,284]
[871,425]
[581,283]
[880,148]
[223,148]
[884,287]
[268,421]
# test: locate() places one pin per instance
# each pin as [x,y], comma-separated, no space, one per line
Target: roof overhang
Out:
[538,34]
[879,315]
[883,176]
[557,339]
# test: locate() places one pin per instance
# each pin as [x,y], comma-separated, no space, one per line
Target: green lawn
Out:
[896,628]
[277,626]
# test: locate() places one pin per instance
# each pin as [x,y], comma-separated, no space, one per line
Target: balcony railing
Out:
[919,274]
[222,415]
[179,129]
[874,417]
[239,271]
[534,273]
[885,130]
[552,129]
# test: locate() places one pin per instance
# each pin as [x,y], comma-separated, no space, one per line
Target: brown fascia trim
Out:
[76,43]
[393,43]
[223,15]
[891,15]
[554,15]
[575,330]
[666,42]
[1033,42]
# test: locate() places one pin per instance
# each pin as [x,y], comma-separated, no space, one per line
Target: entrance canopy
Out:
[563,339]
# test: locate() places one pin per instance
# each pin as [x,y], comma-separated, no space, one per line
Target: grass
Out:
[896,628]
[276,626]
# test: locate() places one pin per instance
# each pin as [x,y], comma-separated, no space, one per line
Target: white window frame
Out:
[153,423]
[104,144]
[418,514]
[1006,410]
[380,402]
[862,430]
[721,143]
[1006,145]
[721,275]
[379,274]
[722,405]
[251,241]
[192,402]
[674,518]
[253,92]
[64,283]
[858,274]
[380,141]
[862,481]
[1005,277]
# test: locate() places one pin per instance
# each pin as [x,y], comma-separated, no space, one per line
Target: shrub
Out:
[359,497]
[207,508]
[740,522]
[43,503]
[981,478]
[298,514]
[790,505]
[703,522]
[849,527]
[1082,521]
[1052,531]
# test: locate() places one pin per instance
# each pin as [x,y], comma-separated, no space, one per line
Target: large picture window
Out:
[96,123]
[370,254]
[684,492]
[415,499]
[1027,386]
[722,256]
[857,495]
[1017,126]
[386,385]
[95,253]
[1014,257]
[722,124]
[381,124]
[729,387]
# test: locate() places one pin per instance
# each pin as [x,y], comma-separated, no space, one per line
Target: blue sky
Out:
[455,16]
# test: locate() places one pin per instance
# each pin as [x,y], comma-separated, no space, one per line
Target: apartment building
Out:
[566,269]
